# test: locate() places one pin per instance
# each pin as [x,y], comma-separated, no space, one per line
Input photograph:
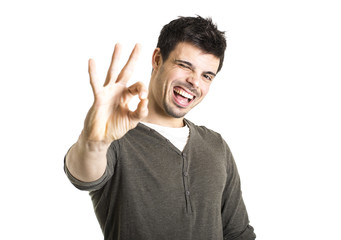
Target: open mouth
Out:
[182,97]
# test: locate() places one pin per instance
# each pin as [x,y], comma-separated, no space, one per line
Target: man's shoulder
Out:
[204,131]
[207,138]
[133,137]
[140,131]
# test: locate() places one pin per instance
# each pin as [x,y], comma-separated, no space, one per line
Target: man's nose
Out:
[194,80]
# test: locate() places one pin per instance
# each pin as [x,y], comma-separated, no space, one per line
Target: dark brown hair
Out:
[200,32]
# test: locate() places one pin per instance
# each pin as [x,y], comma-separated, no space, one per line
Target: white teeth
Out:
[183,93]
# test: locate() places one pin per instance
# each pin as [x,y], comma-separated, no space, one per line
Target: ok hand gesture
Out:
[109,118]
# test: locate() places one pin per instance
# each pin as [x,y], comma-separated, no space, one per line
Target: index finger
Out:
[128,69]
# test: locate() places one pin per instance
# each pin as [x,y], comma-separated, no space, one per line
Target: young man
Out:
[151,173]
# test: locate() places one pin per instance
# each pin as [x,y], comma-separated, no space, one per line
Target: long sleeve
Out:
[234,215]
[111,157]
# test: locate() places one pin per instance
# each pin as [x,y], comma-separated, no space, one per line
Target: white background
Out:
[276,102]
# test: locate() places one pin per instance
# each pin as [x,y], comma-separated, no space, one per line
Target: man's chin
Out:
[176,112]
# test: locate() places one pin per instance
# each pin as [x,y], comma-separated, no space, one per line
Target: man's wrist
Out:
[92,145]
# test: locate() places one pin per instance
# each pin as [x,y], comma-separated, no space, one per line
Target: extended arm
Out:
[108,119]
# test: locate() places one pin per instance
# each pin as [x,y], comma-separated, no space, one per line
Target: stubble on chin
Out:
[174,112]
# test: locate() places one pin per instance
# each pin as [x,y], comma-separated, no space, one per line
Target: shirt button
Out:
[186,174]
[184,155]
[187,193]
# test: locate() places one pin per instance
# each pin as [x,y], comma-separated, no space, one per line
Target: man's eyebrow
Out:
[191,65]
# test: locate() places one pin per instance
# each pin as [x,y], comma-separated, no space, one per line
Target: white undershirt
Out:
[177,136]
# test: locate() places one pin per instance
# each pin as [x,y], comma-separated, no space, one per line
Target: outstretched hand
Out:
[109,118]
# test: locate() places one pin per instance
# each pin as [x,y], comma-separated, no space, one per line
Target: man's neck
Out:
[165,121]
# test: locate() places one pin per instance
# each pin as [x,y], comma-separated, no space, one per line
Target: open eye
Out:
[208,77]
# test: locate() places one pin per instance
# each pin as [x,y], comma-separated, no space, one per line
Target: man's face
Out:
[182,81]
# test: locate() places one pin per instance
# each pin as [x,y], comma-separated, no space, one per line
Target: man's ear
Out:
[157,59]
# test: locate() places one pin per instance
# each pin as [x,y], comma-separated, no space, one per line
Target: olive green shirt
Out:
[151,190]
